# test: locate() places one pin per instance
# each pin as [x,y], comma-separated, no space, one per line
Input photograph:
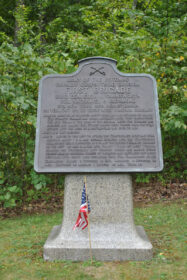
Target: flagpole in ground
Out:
[88,221]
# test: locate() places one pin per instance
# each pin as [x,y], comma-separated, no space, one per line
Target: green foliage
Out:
[42,37]
[21,70]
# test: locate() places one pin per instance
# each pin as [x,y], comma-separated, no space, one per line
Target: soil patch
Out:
[144,193]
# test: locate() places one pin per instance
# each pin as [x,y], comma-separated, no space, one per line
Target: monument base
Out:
[114,237]
[102,249]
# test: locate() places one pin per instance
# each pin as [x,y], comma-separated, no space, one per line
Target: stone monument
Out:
[105,124]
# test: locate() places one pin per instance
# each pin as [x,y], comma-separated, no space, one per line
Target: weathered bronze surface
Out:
[98,120]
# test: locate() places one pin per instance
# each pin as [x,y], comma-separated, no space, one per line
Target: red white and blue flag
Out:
[82,220]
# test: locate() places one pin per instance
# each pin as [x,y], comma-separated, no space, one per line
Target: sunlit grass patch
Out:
[22,239]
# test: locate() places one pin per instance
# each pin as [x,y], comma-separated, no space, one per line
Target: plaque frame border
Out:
[112,62]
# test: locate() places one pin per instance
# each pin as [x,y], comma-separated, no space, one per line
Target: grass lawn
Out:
[22,239]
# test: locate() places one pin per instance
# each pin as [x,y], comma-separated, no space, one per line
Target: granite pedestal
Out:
[114,237]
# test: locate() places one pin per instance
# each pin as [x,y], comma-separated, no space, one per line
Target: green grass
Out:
[22,239]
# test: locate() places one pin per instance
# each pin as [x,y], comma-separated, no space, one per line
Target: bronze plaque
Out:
[98,120]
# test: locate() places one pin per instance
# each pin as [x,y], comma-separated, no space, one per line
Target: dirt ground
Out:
[143,194]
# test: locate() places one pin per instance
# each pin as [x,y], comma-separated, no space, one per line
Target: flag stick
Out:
[88,221]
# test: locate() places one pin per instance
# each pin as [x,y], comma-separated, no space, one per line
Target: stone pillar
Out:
[114,237]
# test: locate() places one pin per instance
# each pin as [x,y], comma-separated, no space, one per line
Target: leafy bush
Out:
[21,70]
[46,37]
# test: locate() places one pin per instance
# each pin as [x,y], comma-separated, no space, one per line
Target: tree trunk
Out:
[17,26]
[134,4]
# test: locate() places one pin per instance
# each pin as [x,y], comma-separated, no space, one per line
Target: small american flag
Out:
[82,219]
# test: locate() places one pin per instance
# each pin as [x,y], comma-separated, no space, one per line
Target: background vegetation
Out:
[40,37]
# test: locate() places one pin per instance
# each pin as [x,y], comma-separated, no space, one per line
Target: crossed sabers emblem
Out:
[97,70]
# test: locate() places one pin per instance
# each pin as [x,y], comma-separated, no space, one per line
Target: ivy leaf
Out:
[13,189]
[38,186]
